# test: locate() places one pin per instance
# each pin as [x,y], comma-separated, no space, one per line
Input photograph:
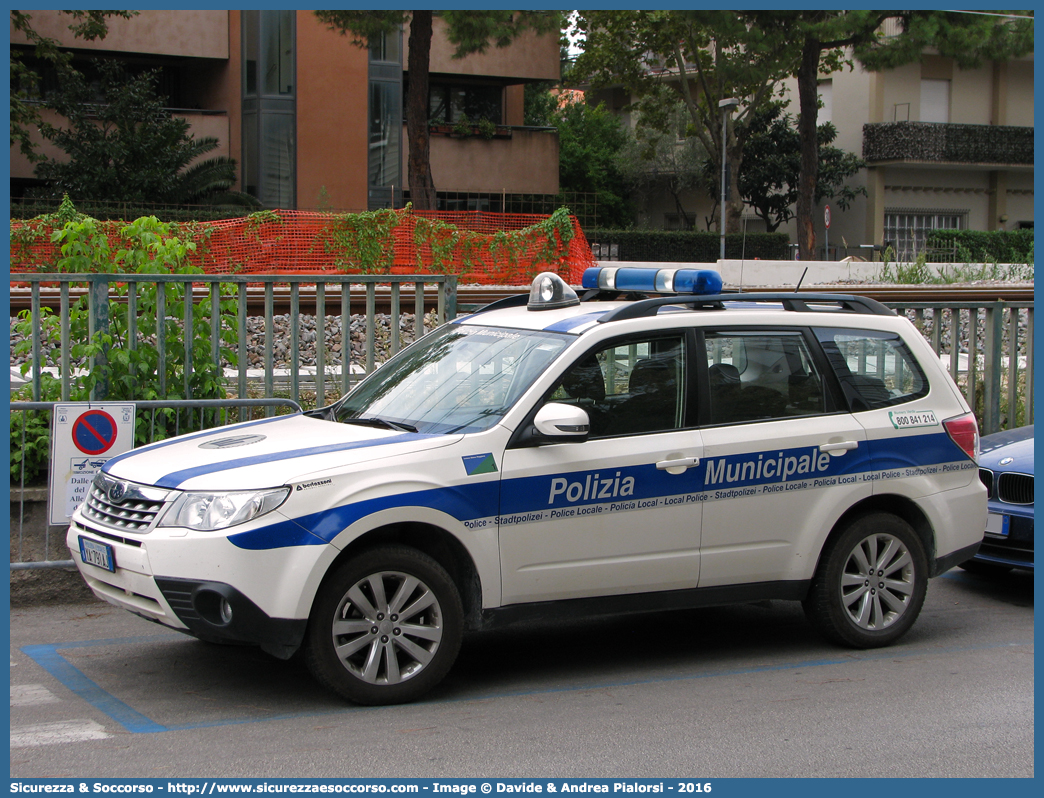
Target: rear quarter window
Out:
[875,369]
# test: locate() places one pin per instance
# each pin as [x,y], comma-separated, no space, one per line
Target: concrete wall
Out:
[194,34]
[201,125]
[526,163]
[530,57]
[332,84]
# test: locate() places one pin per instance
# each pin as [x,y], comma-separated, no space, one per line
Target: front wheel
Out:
[870,584]
[386,627]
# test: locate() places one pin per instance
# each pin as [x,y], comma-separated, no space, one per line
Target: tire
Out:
[386,627]
[854,605]
[985,568]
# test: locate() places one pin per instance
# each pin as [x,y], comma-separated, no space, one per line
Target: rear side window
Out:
[875,368]
[761,375]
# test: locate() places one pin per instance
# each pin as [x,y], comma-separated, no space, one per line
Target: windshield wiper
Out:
[383,423]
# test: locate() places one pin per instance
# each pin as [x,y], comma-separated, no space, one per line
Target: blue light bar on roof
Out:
[653,281]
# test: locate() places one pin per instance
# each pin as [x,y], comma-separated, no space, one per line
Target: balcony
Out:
[932,143]
[518,160]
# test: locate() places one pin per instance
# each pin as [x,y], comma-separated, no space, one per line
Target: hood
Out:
[263,454]
[1016,444]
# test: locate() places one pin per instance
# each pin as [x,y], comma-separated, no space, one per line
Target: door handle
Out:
[682,462]
[837,449]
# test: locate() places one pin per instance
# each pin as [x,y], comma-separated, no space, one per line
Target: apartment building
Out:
[314,121]
[944,147]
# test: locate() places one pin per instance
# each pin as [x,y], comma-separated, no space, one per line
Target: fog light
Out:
[226,611]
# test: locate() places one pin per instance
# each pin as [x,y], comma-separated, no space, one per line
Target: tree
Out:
[470,31]
[654,160]
[590,139]
[769,180]
[25,81]
[824,37]
[124,146]
[697,57]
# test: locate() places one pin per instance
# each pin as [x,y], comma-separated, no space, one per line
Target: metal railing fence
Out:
[988,349]
[34,548]
[332,293]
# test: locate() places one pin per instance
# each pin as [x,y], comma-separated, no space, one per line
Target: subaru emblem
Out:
[117,491]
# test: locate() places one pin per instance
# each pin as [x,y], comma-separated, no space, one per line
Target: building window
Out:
[385,133]
[448,102]
[935,100]
[826,100]
[386,47]
[907,231]
[269,107]
[384,153]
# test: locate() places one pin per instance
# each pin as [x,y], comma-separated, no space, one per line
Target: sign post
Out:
[84,436]
[826,221]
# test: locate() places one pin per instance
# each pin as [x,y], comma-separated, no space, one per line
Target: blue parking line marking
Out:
[47,657]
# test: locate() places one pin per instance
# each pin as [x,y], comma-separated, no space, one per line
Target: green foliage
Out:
[997,246]
[920,272]
[690,246]
[950,143]
[772,162]
[486,128]
[694,57]
[31,447]
[126,147]
[590,139]
[362,241]
[25,80]
[653,161]
[127,356]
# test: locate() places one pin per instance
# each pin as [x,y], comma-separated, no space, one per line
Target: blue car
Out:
[1006,468]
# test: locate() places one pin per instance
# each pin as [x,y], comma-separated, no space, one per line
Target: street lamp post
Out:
[724,105]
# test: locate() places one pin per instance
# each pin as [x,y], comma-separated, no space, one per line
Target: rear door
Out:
[781,459]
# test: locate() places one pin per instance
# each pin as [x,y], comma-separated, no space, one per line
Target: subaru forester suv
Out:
[655,444]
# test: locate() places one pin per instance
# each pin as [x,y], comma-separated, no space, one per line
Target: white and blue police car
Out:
[657,444]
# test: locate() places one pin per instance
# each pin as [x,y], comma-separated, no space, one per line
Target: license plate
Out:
[997,525]
[97,554]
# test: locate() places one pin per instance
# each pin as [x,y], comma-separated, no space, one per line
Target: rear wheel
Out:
[870,584]
[386,627]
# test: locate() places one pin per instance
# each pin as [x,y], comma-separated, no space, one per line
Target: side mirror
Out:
[562,422]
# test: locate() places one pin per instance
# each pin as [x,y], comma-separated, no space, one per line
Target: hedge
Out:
[690,246]
[974,246]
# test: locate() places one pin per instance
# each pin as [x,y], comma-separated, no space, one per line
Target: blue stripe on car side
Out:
[933,448]
[192,436]
[495,497]
[175,478]
[476,500]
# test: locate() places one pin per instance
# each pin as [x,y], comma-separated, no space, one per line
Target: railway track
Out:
[471,297]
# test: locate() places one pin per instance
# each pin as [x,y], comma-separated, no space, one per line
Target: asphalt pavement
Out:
[744,691]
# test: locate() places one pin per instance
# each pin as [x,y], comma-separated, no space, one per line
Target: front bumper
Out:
[219,613]
[1014,550]
[192,606]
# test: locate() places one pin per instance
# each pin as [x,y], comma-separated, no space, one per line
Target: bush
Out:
[974,246]
[690,246]
[128,372]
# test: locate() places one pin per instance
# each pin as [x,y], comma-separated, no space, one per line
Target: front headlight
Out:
[206,511]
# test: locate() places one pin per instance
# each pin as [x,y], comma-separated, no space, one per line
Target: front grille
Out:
[122,505]
[1015,488]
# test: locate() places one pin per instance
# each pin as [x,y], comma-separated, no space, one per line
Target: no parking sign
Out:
[84,436]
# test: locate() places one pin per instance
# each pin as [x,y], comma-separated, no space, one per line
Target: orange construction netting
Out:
[477,246]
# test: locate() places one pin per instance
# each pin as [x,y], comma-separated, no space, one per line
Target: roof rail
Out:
[806,302]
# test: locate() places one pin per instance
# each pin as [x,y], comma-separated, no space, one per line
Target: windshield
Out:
[457,379]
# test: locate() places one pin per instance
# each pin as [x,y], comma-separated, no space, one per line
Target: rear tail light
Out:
[964,431]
